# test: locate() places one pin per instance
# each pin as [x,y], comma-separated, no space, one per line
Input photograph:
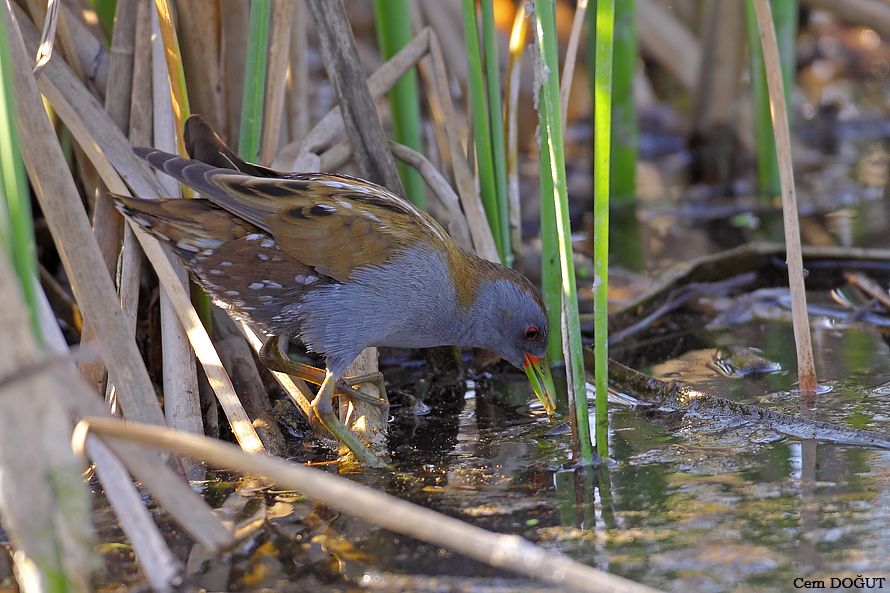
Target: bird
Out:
[338,263]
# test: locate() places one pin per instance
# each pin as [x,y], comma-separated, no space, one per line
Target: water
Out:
[688,505]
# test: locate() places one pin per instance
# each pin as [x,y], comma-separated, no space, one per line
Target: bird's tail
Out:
[188,226]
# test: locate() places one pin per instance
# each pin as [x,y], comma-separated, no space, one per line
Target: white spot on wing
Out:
[185,246]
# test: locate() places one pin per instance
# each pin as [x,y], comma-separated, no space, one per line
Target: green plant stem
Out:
[16,230]
[624,117]
[785,23]
[553,166]
[481,126]
[602,115]
[551,276]
[254,81]
[392,19]
[498,144]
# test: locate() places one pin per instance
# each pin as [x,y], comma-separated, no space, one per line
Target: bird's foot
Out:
[274,355]
[324,412]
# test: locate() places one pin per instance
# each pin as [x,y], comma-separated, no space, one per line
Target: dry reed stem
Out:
[48,13]
[517,46]
[159,565]
[806,367]
[357,109]
[112,156]
[480,231]
[107,223]
[241,366]
[568,68]
[48,35]
[457,226]
[234,19]
[182,405]
[667,41]
[509,552]
[66,218]
[447,20]
[297,102]
[282,20]
[199,42]
[436,116]
[139,125]
[43,500]
[74,239]
[721,67]
[296,389]
[329,127]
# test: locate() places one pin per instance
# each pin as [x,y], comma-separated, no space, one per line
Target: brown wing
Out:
[237,263]
[332,223]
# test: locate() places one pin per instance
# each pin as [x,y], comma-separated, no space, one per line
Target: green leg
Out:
[274,356]
[324,410]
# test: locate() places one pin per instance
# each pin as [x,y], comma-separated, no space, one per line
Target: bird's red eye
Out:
[532,332]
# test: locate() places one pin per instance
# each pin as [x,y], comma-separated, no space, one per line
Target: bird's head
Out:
[509,319]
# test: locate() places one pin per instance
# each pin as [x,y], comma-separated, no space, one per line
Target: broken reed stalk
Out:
[254,81]
[602,145]
[482,132]
[392,20]
[16,223]
[553,173]
[509,552]
[806,368]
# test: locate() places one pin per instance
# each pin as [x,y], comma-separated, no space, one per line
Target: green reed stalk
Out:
[16,230]
[624,113]
[392,19]
[496,113]
[602,136]
[254,81]
[785,23]
[553,167]
[482,127]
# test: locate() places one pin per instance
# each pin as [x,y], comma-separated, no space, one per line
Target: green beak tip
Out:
[538,373]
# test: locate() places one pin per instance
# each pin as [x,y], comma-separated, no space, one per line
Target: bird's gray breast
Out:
[409,302]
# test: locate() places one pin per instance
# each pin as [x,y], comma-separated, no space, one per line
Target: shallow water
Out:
[687,505]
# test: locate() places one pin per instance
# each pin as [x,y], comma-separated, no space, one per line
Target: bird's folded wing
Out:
[332,223]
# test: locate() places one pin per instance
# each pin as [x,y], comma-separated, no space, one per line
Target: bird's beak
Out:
[538,372]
